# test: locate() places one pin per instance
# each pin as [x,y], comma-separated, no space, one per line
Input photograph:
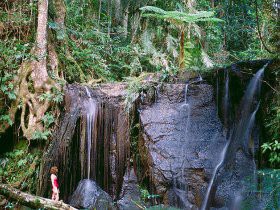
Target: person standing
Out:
[55,186]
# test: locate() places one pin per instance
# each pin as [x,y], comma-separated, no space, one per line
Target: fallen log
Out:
[32,201]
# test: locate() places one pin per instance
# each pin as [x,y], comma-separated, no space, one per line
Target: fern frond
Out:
[172,44]
[206,59]
[146,40]
[177,17]
[153,9]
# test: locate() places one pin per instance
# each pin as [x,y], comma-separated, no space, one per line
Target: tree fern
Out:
[180,19]
[177,17]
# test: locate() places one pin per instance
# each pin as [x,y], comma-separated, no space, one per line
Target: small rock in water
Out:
[90,196]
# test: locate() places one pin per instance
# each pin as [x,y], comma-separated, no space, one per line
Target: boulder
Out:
[89,195]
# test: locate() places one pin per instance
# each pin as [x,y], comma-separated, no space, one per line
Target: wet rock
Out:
[180,143]
[130,194]
[70,147]
[89,195]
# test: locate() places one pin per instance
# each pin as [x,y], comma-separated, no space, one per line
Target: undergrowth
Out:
[20,167]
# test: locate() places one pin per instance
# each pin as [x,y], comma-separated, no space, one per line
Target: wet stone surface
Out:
[181,142]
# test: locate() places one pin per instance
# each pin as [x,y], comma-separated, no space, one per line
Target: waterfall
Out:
[217,92]
[179,188]
[200,78]
[226,102]
[186,107]
[241,133]
[90,112]
[210,186]
[186,93]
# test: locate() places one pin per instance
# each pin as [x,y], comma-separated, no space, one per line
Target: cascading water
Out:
[210,186]
[241,133]
[226,102]
[92,140]
[186,105]
[186,92]
[249,130]
[238,197]
[179,187]
[217,92]
[90,109]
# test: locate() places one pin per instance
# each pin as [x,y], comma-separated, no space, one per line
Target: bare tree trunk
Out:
[39,67]
[134,25]
[99,13]
[60,10]
[117,4]
[125,21]
[182,50]
[213,3]
[32,201]
[109,14]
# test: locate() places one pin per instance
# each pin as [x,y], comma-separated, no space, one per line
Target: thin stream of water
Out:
[246,122]
[90,121]
[226,102]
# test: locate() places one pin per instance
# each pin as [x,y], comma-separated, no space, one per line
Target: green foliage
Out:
[273,149]
[20,167]
[178,18]
[271,146]
[145,195]
[48,119]
[161,207]
[55,96]
[136,85]
[267,188]
[41,135]
[6,118]
[7,87]
[195,56]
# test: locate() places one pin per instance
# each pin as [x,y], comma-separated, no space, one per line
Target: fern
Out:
[177,17]
[146,40]
[172,44]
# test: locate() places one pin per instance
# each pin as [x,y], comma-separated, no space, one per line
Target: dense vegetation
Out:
[120,40]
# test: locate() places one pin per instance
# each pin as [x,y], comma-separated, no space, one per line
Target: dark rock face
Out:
[89,195]
[109,141]
[181,144]
[130,193]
